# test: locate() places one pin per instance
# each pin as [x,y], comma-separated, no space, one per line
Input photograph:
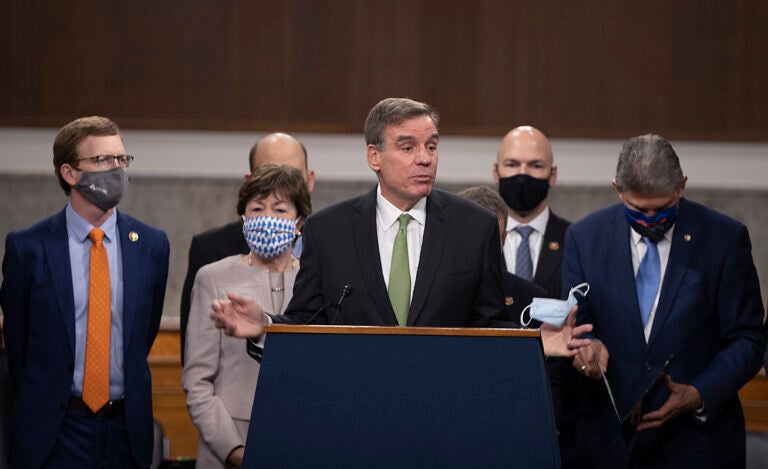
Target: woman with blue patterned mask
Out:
[219,375]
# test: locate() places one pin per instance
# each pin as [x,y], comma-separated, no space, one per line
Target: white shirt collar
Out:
[539,223]
[638,240]
[388,213]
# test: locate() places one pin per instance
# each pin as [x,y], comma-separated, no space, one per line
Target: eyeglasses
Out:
[108,161]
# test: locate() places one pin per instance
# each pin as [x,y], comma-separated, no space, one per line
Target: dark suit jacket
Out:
[205,248]
[518,293]
[458,281]
[5,404]
[708,320]
[548,268]
[37,301]
[565,382]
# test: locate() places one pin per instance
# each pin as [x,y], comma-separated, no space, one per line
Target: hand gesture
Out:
[564,341]
[239,316]
[587,358]
[682,398]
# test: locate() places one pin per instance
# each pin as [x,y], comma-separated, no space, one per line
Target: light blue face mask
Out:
[552,311]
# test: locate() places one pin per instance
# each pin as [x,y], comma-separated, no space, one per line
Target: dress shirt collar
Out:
[539,224]
[80,227]
[637,240]
[388,213]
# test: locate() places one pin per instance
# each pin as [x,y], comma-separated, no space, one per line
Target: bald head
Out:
[525,150]
[526,142]
[282,149]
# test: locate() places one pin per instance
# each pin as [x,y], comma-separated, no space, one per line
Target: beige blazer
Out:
[219,377]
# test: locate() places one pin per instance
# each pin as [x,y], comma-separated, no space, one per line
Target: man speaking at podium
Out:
[410,255]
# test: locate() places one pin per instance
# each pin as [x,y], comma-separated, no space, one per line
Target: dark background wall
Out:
[687,69]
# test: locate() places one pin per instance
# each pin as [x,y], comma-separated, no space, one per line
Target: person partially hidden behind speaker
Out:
[219,377]
[414,256]
[518,292]
[224,241]
[82,296]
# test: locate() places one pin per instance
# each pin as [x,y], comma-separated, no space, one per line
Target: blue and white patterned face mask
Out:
[268,237]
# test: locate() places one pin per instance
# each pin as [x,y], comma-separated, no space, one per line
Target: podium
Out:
[399,397]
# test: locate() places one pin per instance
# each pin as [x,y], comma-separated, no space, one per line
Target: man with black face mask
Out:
[524,171]
[82,297]
[675,301]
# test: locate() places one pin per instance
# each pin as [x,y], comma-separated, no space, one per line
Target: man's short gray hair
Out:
[393,111]
[648,165]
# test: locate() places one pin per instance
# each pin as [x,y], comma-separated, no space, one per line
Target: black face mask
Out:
[522,192]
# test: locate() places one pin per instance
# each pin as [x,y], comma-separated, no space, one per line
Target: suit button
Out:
[61,407]
[647,367]
[71,367]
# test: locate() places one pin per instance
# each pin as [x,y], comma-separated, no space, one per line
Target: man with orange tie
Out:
[82,297]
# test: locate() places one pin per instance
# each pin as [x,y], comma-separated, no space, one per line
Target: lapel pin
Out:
[133,236]
[687,237]
[509,301]
[554,246]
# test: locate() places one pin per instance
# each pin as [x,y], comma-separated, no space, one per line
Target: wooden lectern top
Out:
[393,330]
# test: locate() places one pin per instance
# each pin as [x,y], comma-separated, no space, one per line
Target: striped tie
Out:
[96,378]
[523,261]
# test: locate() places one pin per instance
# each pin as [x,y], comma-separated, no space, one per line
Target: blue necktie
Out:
[647,280]
[523,261]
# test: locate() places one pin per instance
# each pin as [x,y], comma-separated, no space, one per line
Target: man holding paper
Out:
[676,306]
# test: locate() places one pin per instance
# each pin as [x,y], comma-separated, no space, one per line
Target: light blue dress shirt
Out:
[79,257]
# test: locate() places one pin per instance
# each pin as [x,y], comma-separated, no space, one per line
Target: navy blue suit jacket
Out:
[708,321]
[38,305]
[457,283]
[549,265]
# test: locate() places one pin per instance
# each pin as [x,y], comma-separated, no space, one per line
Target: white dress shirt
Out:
[535,241]
[638,248]
[386,231]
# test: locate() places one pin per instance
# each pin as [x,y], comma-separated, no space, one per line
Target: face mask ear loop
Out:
[578,288]
[522,316]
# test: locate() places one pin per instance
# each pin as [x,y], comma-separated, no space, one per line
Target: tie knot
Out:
[649,243]
[404,219]
[96,235]
[524,231]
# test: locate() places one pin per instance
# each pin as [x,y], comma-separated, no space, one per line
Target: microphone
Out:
[256,352]
[345,292]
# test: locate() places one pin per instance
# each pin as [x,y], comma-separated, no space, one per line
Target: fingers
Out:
[658,417]
[574,344]
[583,359]
[581,330]
[682,398]
[570,321]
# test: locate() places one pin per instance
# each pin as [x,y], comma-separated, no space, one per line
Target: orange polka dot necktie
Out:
[96,378]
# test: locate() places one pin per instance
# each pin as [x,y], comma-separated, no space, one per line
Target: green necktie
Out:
[400,273]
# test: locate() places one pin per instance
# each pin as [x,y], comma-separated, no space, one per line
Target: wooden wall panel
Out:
[598,68]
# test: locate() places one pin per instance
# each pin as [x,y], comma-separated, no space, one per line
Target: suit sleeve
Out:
[308,289]
[158,298]
[573,275]
[206,409]
[742,337]
[489,298]
[14,299]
